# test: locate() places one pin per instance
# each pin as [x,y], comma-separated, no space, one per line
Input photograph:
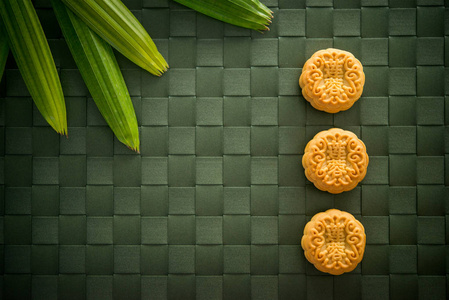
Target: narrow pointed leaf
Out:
[261,6]
[113,21]
[32,54]
[253,4]
[244,13]
[4,49]
[101,73]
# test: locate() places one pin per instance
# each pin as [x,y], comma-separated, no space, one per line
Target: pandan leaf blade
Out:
[243,13]
[113,21]
[261,6]
[4,50]
[101,73]
[35,61]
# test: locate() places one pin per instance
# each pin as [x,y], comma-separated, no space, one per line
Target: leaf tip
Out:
[135,149]
[63,132]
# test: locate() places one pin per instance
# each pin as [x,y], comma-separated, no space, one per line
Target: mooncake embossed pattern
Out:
[334,241]
[335,160]
[332,80]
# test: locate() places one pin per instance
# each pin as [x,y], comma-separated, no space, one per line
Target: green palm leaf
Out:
[32,54]
[244,13]
[113,21]
[101,73]
[4,49]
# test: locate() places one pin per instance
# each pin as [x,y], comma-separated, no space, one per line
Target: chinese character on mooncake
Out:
[332,80]
[334,241]
[335,160]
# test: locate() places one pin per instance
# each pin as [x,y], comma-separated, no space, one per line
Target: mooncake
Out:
[334,241]
[335,160]
[332,80]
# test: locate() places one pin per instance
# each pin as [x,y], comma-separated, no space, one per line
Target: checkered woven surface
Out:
[215,204]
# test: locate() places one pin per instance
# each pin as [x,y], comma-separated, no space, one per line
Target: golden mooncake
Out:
[334,241]
[335,160]
[332,80]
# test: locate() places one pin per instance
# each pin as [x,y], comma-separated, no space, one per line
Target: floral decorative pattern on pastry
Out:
[334,241]
[332,80]
[335,160]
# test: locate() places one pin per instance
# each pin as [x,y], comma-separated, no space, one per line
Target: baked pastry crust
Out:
[332,80]
[335,160]
[334,241]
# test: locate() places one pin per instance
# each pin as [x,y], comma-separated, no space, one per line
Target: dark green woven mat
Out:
[215,205]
